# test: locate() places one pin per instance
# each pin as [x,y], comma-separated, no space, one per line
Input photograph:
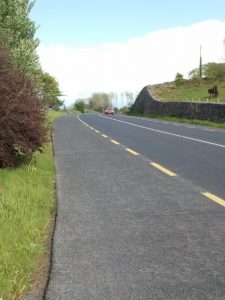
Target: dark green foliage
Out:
[215,71]
[80,106]
[49,91]
[179,79]
[210,71]
[17,33]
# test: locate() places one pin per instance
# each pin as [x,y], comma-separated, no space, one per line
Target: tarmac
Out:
[124,230]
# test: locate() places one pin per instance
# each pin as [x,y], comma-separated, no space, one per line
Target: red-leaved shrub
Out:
[22,121]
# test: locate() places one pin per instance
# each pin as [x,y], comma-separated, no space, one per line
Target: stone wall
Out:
[146,104]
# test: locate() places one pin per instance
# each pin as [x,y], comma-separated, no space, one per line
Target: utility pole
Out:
[200,63]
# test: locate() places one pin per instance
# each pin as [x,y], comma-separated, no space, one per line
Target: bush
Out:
[80,106]
[179,79]
[214,71]
[23,127]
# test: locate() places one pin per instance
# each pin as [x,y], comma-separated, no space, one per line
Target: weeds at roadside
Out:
[27,205]
[182,120]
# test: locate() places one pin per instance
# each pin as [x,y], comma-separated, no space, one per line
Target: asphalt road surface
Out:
[194,152]
[127,229]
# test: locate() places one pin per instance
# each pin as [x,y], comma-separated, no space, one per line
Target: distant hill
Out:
[188,90]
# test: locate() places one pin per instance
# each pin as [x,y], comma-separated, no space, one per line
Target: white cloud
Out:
[153,58]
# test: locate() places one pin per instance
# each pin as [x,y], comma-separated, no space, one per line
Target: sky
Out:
[124,45]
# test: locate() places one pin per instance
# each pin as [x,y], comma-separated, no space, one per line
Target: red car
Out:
[109,111]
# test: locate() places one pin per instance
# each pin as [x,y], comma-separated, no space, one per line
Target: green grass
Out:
[188,91]
[182,120]
[27,204]
[53,115]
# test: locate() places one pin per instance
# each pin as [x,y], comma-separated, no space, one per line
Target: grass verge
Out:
[182,120]
[27,206]
[188,92]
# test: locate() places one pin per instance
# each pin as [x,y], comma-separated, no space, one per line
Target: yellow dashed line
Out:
[104,135]
[132,151]
[214,198]
[166,171]
[115,142]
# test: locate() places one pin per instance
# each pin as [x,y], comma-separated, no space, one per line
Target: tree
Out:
[130,98]
[80,106]
[211,71]
[194,74]
[214,71]
[17,33]
[49,91]
[99,101]
[113,99]
[179,79]
[224,45]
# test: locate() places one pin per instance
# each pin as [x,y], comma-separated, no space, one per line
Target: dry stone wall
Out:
[147,105]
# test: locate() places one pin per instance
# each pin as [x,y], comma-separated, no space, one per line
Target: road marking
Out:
[92,128]
[97,131]
[214,198]
[208,129]
[104,135]
[157,121]
[115,142]
[164,170]
[166,132]
[132,151]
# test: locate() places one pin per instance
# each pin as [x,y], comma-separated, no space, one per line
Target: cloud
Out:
[129,66]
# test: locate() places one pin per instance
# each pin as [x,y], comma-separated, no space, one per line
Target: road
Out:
[194,152]
[127,230]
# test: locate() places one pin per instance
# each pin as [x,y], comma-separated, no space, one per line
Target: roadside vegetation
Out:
[27,175]
[188,91]
[179,120]
[26,91]
[27,202]
[100,101]
[195,88]
[27,210]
